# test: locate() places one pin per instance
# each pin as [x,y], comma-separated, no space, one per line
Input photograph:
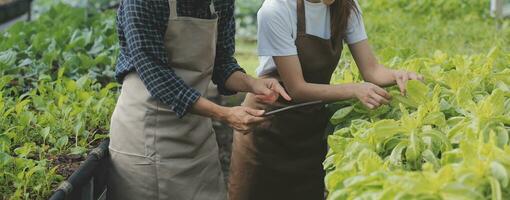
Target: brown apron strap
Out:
[301,20]
[336,37]
[173,8]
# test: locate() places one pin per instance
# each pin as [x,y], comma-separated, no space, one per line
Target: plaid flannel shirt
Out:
[141,27]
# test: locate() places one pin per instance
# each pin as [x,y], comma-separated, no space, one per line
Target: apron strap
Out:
[335,21]
[211,7]
[301,20]
[173,8]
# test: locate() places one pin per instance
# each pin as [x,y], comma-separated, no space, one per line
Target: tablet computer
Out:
[291,107]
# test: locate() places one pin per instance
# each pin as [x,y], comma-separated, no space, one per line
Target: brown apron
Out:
[284,160]
[154,154]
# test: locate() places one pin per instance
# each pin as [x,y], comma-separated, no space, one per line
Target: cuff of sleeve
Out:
[222,89]
[277,52]
[355,40]
[184,100]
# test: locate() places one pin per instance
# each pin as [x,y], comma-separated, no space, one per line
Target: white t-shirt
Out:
[277,29]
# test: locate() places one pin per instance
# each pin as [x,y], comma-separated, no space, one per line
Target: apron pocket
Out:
[149,132]
[131,177]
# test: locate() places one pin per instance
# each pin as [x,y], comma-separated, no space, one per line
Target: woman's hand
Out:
[376,73]
[243,119]
[268,90]
[372,96]
[401,77]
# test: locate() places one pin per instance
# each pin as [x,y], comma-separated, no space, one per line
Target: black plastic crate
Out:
[89,181]
[14,9]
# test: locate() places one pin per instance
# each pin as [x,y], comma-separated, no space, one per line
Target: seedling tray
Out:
[14,9]
[89,181]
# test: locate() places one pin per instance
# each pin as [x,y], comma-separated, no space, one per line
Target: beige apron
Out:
[154,154]
[284,160]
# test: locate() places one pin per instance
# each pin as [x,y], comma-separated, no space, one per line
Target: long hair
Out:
[341,10]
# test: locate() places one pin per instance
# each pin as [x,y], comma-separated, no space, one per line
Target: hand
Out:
[401,77]
[268,90]
[243,119]
[372,96]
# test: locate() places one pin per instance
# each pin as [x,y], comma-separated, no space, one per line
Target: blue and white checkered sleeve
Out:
[144,32]
[225,63]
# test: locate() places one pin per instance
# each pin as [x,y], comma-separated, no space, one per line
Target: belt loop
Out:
[173,8]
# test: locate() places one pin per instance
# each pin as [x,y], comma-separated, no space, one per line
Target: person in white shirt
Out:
[300,43]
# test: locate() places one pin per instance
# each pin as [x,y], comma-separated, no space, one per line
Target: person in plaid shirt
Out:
[141,26]
[160,137]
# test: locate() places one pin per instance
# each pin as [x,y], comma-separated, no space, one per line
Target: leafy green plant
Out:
[57,93]
[56,118]
[84,42]
[447,139]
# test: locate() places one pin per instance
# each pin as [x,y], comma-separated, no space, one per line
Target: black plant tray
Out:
[89,181]
[14,9]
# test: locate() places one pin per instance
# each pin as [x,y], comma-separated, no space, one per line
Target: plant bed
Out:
[88,181]
[10,9]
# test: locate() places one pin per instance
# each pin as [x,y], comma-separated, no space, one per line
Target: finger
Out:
[280,90]
[382,92]
[368,105]
[379,99]
[420,77]
[405,79]
[253,121]
[259,97]
[268,99]
[413,76]
[254,112]
[373,102]
[400,84]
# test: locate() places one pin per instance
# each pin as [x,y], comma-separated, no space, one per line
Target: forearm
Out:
[239,82]
[380,75]
[209,109]
[290,72]
[327,93]
[369,66]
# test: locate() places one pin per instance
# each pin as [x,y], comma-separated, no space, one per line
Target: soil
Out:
[67,164]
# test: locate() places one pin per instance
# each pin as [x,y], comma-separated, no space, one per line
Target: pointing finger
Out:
[279,89]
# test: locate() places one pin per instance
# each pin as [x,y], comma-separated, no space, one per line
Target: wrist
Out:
[220,113]
[250,84]
[354,89]
[394,73]
[239,82]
